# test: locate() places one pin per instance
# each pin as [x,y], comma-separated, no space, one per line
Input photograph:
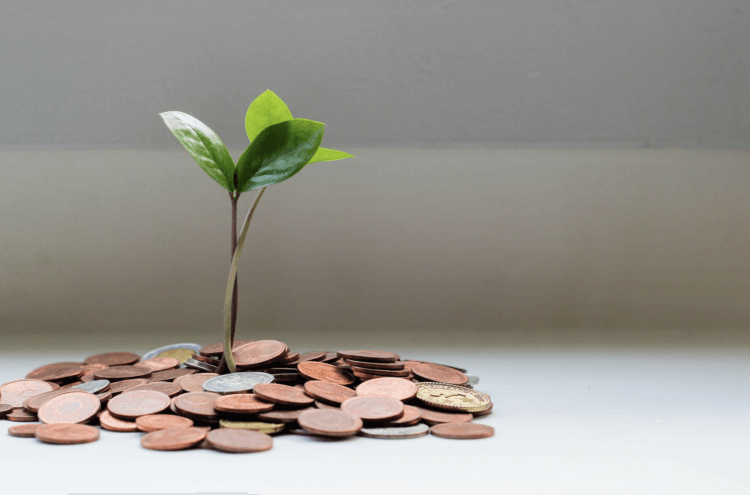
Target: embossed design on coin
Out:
[14,393]
[259,353]
[462,431]
[179,351]
[377,356]
[328,392]
[117,373]
[374,408]
[314,370]
[396,388]
[111,423]
[239,440]
[77,407]
[66,434]
[193,383]
[113,358]
[396,433]
[23,431]
[156,422]
[57,371]
[236,382]
[330,423]
[160,363]
[173,439]
[445,396]
[283,394]
[93,387]
[130,405]
[438,373]
[432,417]
[241,404]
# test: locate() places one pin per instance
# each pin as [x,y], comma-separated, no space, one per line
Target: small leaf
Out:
[279,152]
[267,109]
[204,145]
[326,155]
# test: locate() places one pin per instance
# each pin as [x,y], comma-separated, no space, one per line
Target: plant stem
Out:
[234,199]
[229,302]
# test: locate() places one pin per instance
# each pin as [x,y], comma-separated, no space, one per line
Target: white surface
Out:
[571,422]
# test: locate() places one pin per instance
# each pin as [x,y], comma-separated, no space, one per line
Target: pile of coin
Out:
[175,397]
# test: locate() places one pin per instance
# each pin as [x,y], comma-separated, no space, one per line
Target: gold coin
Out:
[181,354]
[262,427]
[454,397]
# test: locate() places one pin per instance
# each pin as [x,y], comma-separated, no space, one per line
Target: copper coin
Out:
[119,387]
[156,422]
[396,388]
[239,441]
[111,423]
[396,365]
[71,384]
[160,363]
[241,404]
[365,376]
[6,408]
[313,370]
[283,415]
[118,373]
[88,368]
[24,431]
[330,423]
[312,356]
[483,413]
[57,371]
[88,376]
[66,434]
[54,385]
[377,356]
[173,438]
[33,404]
[130,405]
[197,405]
[203,359]
[167,388]
[14,393]
[217,349]
[113,358]
[77,407]
[21,416]
[462,431]
[169,375]
[411,416]
[323,405]
[381,409]
[200,366]
[290,357]
[432,417]
[104,396]
[377,372]
[330,357]
[194,383]
[328,392]
[282,394]
[438,373]
[259,353]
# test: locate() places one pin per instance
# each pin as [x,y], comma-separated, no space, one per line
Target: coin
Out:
[241,404]
[72,384]
[437,373]
[111,423]
[452,397]
[93,387]
[24,431]
[66,434]
[130,405]
[117,373]
[373,371]
[433,417]
[313,370]
[330,423]
[312,356]
[487,411]
[179,351]
[462,431]
[377,356]
[395,433]
[282,394]
[396,365]
[5,409]
[160,363]
[197,405]
[173,439]
[21,416]
[193,383]
[217,349]
[56,372]
[323,405]
[236,382]
[259,353]
[411,416]
[328,392]
[473,379]
[155,422]
[282,415]
[167,388]
[379,409]
[113,358]
[200,365]
[203,359]
[32,404]
[263,427]
[104,396]
[330,357]
[169,375]
[14,393]
[396,388]
[119,387]
[78,407]
[239,441]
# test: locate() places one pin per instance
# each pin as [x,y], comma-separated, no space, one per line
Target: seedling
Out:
[280,146]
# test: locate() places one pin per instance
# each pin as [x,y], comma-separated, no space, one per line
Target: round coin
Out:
[314,370]
[396,433]
[369,365]
[197,405]
[236,382]
[111,423]
[377,356]
[328,392]
[312,356]
[283,394]
[282,415]
[432,417]
[156,422]
[323,405]
[173,439]
[15,393]
[167,388]
[66,434]
[160,363]
[77,407]
[430,372]
[125,372]
[21,416]
[23,431]
[119,387]
[330,423]
[452,397]
[462,431]
[194,383]
[259,353]
[379,409]
[263,427]
[130,405]
[411,416]
[239,440]
[396,388]
[487,411]
[169,375]
[93,387]
[179,351]
[241,404]
[6,408]
[33,404]
[217,349]
[377,372]
[200,366]
[113,358]
[57,371]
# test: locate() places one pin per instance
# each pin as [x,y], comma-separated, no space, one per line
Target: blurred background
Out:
[553,173]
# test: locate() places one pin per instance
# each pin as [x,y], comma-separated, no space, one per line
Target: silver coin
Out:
[415,431]
[473,379]
[236,382]
[94,387]
[156,352]
[200,365]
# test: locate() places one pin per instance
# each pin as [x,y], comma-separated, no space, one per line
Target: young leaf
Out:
[326,155]
[267,109]
[279,152]
[204,145]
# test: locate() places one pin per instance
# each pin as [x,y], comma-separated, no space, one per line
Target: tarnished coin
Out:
[21,416]
[32,404]
[289,357]
[377,356]
[179,351]
[282,415]
[217,349]
[433,417]
[119,387]
[462,431]
[330,423]
[111,423]
[6,408]
[379,409]
[197,405]
[113,358]
[193,383]
[437,373]
[396,388]
[411,416]
[452,397]
[393,433]
[169,375]
[283,394]
[167,388]
[66,434]
[314,370]
[173,438]
[200,365]
[78,407]
[312,356]
[130,405]
[330,357]
[56,372]
[377,372]
[156,422]
[263,427]
[125,372]
[328,392]
[241,404]
[160,363]
[24,431]
[93,387]
[259,353]
[14,393]
[239,440]
[369,365]
[236,382]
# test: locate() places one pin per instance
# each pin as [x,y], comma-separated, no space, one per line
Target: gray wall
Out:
[387,72]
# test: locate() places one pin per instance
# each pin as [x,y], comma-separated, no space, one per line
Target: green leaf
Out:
[267,109]
[326,155]
[204,145]
[278,152]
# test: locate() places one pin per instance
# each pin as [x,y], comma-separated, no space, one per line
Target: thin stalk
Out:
[228,299]
[231,255]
